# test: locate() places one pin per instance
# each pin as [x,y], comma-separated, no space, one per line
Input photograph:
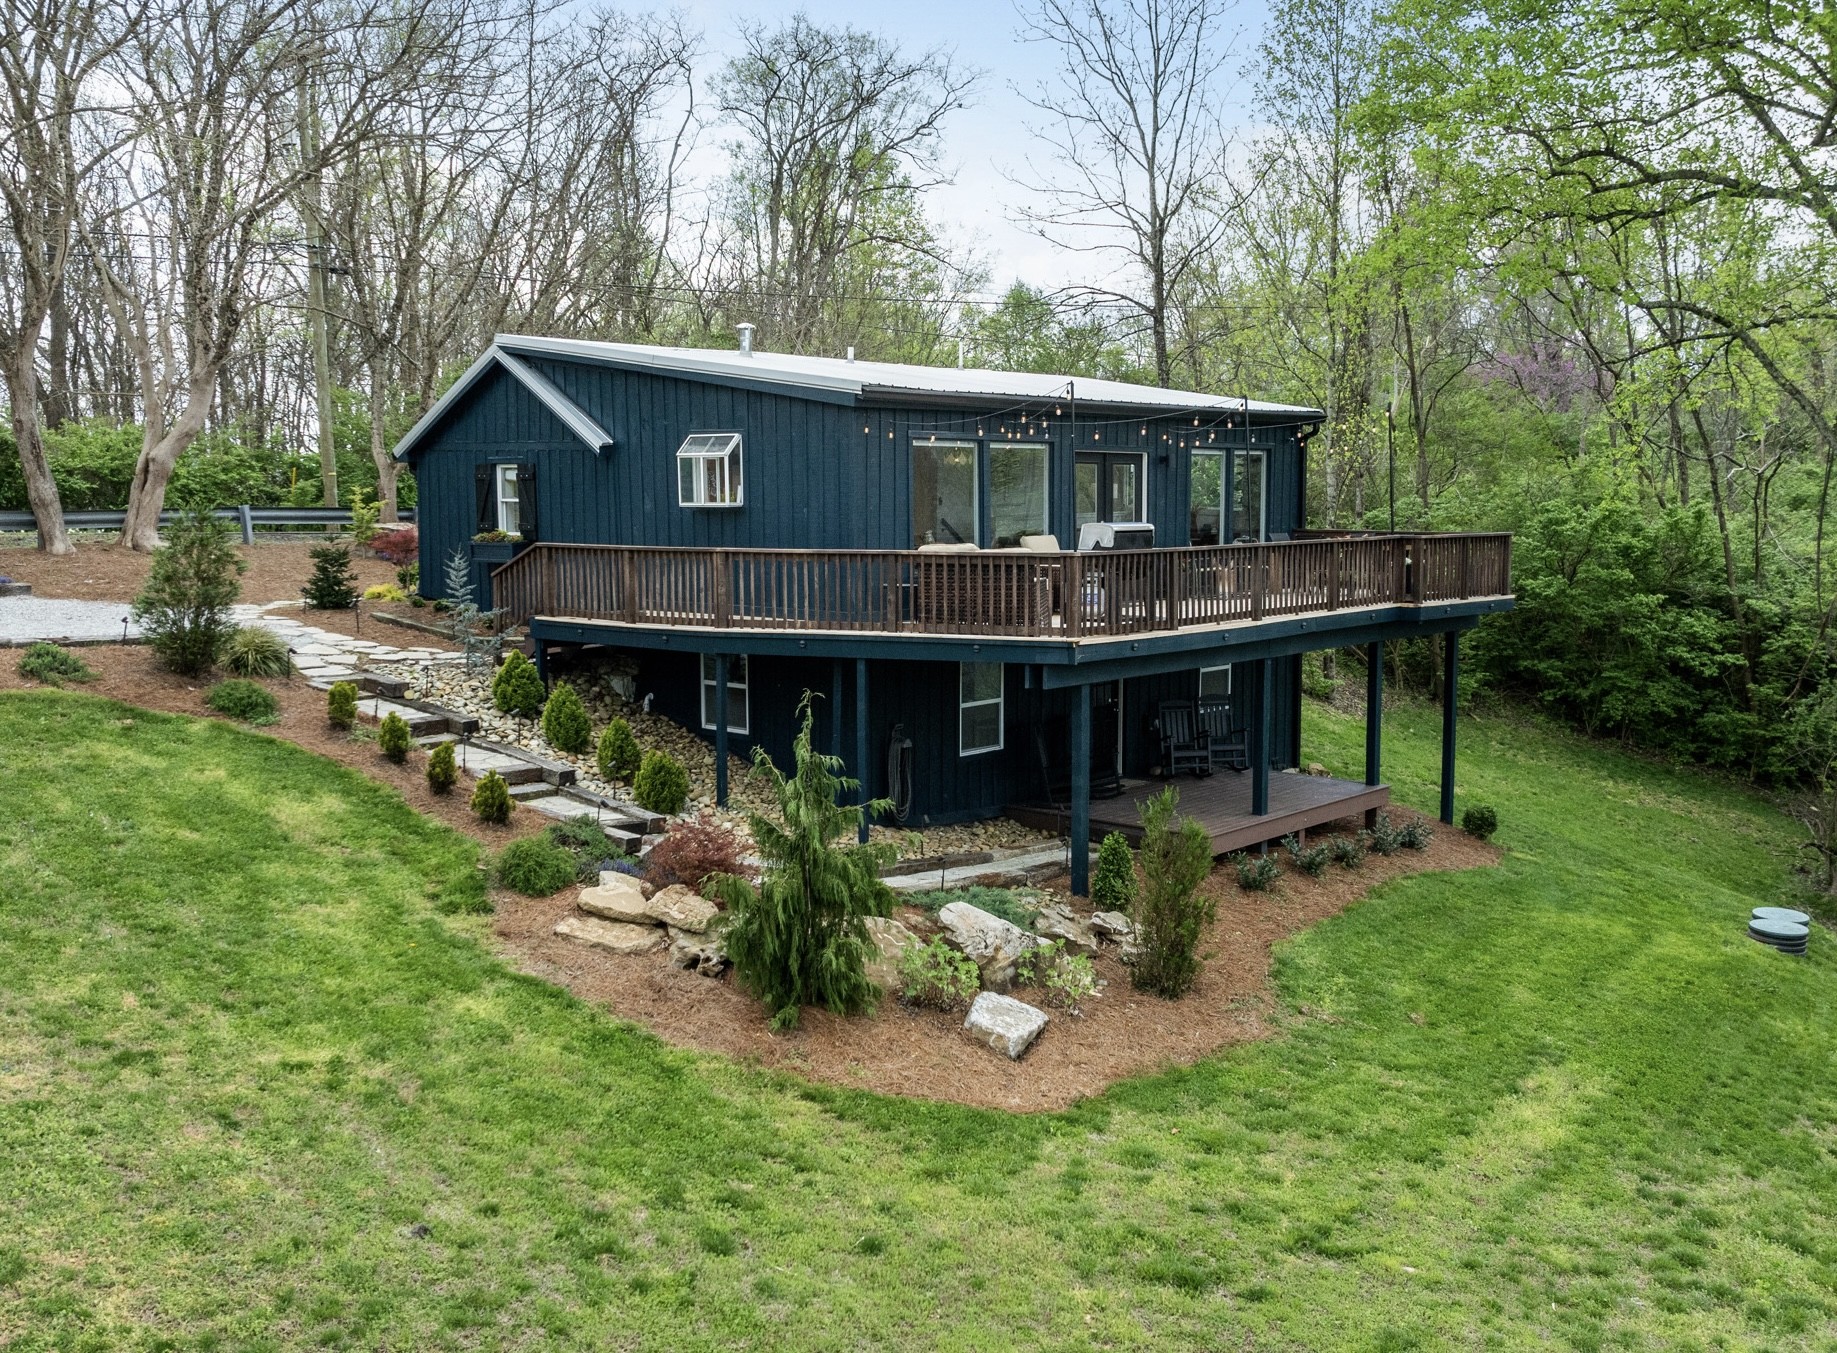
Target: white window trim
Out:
[1262,457]
[743,685]
[723,450]
[1217,453]
[506,474]
[1205,671]
[1000,701]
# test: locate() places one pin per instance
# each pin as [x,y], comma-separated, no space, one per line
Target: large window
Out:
[1248,496]
[1214,683]
[944,503]
[1205,515]
[739,706]
[510,513]
[1017,491]
[708,470]
[979,708]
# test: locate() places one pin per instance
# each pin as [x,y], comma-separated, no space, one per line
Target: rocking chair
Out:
[1184,745]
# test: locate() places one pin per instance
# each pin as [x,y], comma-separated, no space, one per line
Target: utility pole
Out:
[311,209]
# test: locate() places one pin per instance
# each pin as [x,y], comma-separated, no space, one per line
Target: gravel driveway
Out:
[26,620]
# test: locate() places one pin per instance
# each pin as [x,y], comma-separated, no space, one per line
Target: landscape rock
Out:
[618,898]
[619,937]
[994,945]
[1005,1024]
[891,939]
[682,908]
[698,952]
[1056,922]
[1112,925]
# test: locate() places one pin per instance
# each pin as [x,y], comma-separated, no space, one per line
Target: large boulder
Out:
[683,909]
[1005,1024]
[891,940]
[617,898]
[992,944]
[1112,925]
[619,937]
[705,953]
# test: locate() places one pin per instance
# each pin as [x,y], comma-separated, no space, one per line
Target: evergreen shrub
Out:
[393,738]
[1171,911]
[53,665]
[517,687]
[243,700]
[618,753]
[184,609]
[1113,883]
[333,583]
[565,723]
[442,769]
[491,799]
[535,867]
[661,785]
[341,704]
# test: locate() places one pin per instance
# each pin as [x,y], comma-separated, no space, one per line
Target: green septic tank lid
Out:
[1786,914]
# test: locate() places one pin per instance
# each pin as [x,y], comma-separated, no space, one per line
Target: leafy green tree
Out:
[799,938]
[184,610]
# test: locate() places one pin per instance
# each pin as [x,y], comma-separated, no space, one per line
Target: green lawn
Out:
[262,1086]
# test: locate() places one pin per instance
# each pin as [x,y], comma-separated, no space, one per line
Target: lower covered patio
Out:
[1222,804]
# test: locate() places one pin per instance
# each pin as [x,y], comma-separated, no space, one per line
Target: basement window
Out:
[739,702]
[979,708]
[708,470]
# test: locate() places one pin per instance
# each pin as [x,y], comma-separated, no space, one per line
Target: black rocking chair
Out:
[1228,745]
[1183,740]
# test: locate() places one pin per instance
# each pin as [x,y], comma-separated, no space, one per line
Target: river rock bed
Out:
[453,687]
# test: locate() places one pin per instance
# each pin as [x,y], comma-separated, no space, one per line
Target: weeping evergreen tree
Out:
[799,938]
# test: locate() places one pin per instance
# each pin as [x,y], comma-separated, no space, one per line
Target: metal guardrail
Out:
[245,516]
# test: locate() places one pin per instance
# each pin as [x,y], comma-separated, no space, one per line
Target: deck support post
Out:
[835,707]
[1451,684]
[1081,791]
[1259,738]
[861,744]
[720,730]
[1374,721]
[542,662]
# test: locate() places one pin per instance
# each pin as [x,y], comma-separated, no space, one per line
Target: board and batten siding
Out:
[817,474]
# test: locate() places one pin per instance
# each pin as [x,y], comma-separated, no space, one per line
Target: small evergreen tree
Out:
[184,610]
[799,937]
[341,704]
[517,687]
[565,723]
[469,623]
[661,784]
[619,755]
[491,798]
[442,769]
[1113,885]
[1176,857]
[333,584]
[393,738]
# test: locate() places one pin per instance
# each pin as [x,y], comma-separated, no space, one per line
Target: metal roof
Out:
[831,377]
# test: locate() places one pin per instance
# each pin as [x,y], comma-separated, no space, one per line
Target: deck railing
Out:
[1011,593]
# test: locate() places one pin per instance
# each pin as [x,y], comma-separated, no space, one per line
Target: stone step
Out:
[376,709]
[1024,867]
[478,761]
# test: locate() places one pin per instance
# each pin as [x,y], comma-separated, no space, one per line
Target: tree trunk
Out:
[159,455]
[41,489]
[387,467]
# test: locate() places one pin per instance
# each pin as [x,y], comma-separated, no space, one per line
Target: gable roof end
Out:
[576,419]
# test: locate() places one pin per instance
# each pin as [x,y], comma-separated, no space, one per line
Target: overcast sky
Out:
[987,143]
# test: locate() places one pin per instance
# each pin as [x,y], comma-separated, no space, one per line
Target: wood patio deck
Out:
[1221,804]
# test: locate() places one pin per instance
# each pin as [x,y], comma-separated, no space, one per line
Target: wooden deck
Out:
[1221,804]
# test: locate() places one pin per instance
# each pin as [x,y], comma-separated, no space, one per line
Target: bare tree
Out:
[835,134]
[49,51]
[1132,122]
[185,234]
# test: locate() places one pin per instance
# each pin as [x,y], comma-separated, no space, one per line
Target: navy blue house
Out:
[1009,592]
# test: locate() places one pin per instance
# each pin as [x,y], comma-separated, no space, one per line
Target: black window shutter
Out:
[481,484]
[526,501]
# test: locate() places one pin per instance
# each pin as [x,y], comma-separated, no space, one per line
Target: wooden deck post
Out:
[1374,721]
[720,730]
[1451,672]
[835,707]
[861,744]
[1081,791]
[1259,751]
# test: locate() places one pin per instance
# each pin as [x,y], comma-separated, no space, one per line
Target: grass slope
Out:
[262,1086]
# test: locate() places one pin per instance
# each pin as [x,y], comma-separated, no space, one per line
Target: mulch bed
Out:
[919,1053]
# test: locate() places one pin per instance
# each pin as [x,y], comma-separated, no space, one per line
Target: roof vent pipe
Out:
[746,339]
